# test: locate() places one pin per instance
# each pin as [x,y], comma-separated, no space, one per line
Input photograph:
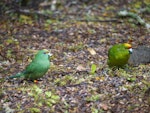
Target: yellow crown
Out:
[128,46]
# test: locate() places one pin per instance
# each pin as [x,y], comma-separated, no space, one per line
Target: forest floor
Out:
[78,34]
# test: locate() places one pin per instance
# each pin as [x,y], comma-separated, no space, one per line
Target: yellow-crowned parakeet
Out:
[119,54]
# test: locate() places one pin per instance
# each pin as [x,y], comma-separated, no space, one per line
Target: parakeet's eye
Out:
[46,52]
[49,54]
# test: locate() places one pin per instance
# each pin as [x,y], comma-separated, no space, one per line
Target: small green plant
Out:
[64,80]
[77,47]
[131,79]
[25,19]
[94,110]
[35,110]
[41,97]
[93,69]
[93,98]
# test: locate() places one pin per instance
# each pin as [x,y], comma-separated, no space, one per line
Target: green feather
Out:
[18,75]
[37,68]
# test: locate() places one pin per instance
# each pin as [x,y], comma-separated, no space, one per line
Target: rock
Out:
[140,55]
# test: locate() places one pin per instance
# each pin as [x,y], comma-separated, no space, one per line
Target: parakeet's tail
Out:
[18,75]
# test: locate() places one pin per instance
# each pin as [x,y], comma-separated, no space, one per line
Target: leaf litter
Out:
[78,48]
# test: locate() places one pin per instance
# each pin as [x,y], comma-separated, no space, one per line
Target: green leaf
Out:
[48,94]
[94,110]
[55,97]
[30,94]
[52,101]
[40,104]
[93,69]
[35,110]
[49,103]
[37,89]
[93,98]
[131,79]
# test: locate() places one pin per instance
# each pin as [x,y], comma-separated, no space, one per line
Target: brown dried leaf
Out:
[80,68]
[92,51]
[104,106]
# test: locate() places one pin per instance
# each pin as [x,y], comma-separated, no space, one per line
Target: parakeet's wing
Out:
[36,70]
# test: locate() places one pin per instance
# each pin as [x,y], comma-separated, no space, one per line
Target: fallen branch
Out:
[134,16]
[53,16]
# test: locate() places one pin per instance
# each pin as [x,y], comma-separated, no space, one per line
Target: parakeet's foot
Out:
[35,81]
[114,68]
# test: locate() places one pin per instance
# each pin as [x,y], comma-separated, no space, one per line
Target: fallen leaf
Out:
[104,106]
[92,51]
[80,68]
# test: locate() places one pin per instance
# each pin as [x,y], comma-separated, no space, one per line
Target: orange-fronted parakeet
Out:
[119,54]
[37,68]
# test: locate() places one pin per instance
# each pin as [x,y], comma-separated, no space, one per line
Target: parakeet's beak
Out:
[130,50]
[50,54]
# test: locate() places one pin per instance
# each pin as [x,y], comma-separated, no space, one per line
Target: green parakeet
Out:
[37,68]
[119,54]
